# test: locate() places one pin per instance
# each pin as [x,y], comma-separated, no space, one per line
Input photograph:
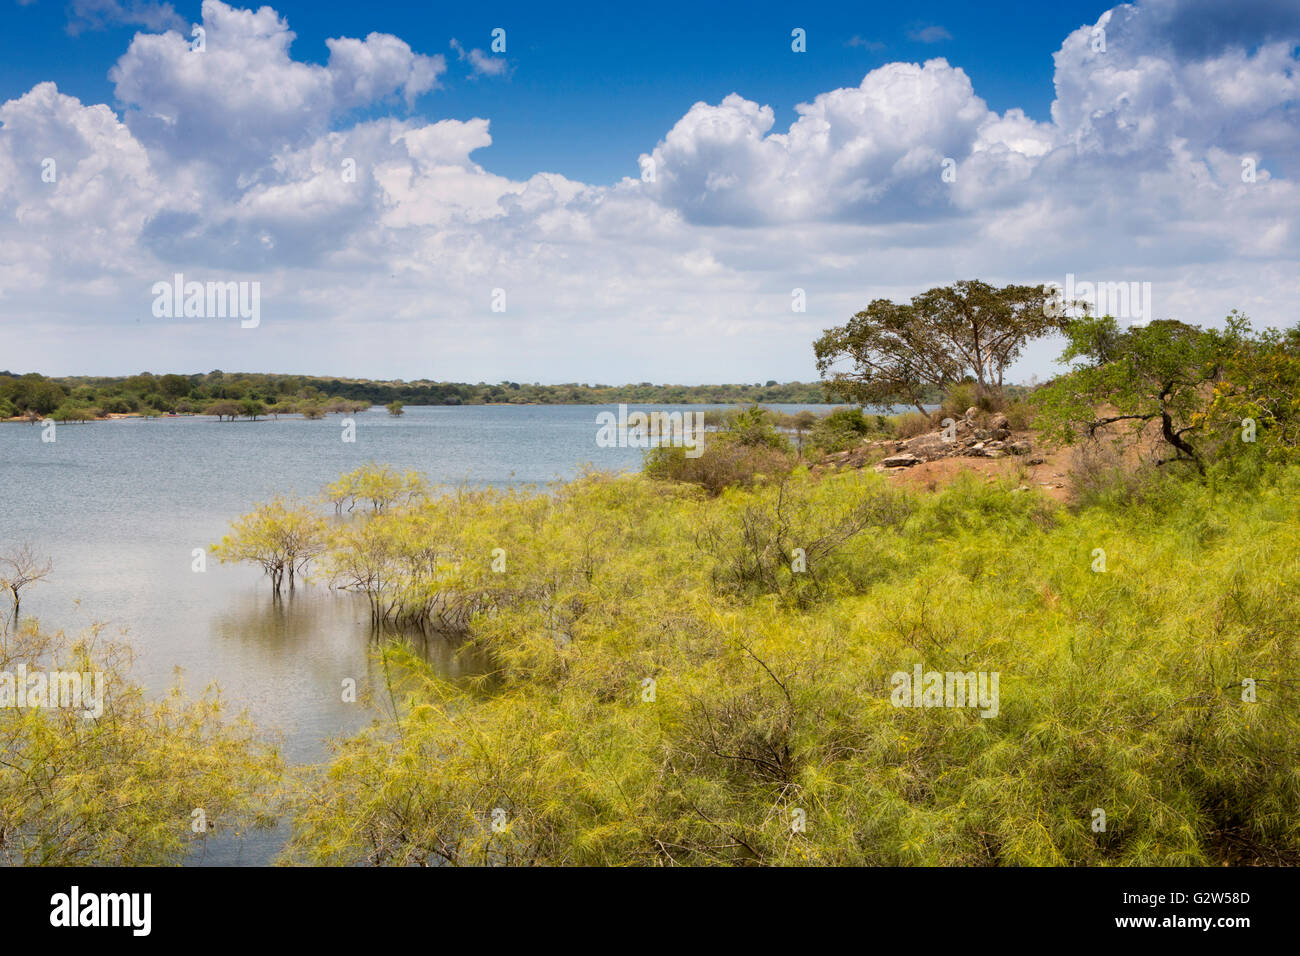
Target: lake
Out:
[120,506]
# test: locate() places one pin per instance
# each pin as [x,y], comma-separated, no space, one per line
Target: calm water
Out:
[120,506]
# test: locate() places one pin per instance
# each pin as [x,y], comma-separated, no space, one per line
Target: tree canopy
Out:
[1165,372]
[900,351]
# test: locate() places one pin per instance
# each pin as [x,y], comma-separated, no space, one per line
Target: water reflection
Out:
[304,646]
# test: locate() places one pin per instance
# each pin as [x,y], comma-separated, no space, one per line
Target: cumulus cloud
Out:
[378,236]
[244,96]
[76,188]
[870,153]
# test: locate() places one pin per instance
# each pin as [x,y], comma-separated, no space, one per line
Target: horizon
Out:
[421,381]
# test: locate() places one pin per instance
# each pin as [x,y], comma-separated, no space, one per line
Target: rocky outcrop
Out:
[971,436]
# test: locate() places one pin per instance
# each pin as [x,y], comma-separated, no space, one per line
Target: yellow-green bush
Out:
[646,710]
[122,789]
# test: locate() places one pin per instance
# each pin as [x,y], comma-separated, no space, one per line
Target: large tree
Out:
[899,351]
[1163,374]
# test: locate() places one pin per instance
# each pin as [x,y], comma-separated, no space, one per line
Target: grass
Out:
[669,690]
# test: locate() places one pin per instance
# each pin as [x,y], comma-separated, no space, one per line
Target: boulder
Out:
[900,461]
[928,447]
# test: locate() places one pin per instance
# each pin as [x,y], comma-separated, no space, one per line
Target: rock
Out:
[995,454]
[999,422]
[929,447]
[1021,448]
[1037,460]
[971,413]
[900,461]
[995,445]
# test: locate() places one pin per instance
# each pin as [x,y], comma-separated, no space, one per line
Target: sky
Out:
[621,193]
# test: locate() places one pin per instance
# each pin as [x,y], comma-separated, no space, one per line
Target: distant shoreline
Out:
[120,416]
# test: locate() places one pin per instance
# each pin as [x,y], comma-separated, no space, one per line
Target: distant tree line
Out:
[253,395]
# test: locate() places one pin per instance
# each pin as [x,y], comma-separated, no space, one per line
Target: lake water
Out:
[120,506]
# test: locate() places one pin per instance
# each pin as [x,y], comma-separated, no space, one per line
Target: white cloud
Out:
[869,153]
[234,163]
[244,96]
[929,34]
[480,63]
[99,14]
[867,44]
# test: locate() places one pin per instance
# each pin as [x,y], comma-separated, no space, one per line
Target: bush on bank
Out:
[667,690]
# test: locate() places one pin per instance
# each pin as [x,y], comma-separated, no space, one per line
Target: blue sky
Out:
[590,86]
[627,193]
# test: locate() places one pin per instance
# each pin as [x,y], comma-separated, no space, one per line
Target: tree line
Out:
[249,394]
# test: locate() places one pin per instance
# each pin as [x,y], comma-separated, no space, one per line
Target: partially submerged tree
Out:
[897,352]
[223,410]
[20,569]
[283,539]
[381,485]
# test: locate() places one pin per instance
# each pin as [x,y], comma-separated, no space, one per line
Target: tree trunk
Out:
[1167,430]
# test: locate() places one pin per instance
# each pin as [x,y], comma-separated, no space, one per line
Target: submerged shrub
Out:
[121,788]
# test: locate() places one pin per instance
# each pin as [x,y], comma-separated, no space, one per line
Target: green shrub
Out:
[754,427]
[724,463]
[116,405]
[1020,415]
[846,428]
[911,424]
[72,412]
[958,399]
